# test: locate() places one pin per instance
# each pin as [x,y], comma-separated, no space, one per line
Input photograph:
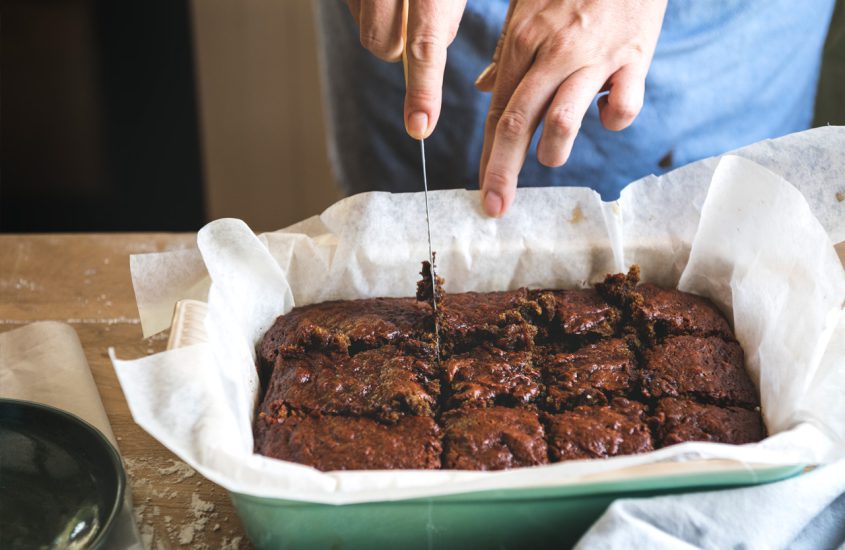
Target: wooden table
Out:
[84,280]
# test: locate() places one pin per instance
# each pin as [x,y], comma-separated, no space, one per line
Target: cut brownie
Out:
[500,317]
[494,438]
[679,420]
[598,432]
[357,324]
[581,312]
[383,382]
[661,312]
[665,312]
[706,368]
[350,443]
[589,375]
[487,376]
[618,288]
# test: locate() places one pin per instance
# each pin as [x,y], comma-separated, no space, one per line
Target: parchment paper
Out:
[44,362]
[737,233]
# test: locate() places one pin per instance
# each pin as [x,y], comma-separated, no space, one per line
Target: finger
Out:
[620,107]
[565,114]
[512,137]
[487,78]
[380,25]
[432,26]
[515,61]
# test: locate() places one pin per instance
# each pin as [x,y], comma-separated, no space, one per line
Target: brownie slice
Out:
[494,438]
[383,382]
[356,324]
[350,443]
[503,318]
[708,369]
[487,376]
[679,420]
[581,312]
[588,376]
[662,312]
[598,432]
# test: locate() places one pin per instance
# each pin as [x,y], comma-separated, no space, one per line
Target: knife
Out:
[434,282]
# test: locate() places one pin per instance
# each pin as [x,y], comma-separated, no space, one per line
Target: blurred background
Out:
[164,114]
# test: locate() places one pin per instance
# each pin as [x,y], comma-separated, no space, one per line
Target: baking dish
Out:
[552,516]
[727,228]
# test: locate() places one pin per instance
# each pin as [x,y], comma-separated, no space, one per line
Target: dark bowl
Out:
[61,481]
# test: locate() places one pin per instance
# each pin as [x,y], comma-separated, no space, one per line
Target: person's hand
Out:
[552,59]
[432,25]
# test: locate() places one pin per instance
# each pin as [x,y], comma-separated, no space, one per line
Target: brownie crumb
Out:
[618,289]
[429,288]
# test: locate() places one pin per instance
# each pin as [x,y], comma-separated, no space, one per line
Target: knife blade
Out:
[434,284]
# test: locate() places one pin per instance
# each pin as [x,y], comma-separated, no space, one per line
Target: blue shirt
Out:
[725,73]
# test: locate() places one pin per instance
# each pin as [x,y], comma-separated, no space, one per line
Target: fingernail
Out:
[483,82]
[493,203]
[418,124]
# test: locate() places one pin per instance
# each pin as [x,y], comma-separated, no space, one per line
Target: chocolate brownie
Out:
[494,438]
[527,377]
[486,376]
[662,312]
[659,312]
[679,420]
[350,443]
[580,312]
[708,369]
[341,325]
[589,375]
[618,288]
[598,432]
[469,318]
[383,382]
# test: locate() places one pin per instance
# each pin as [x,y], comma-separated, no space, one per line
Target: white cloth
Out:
[807,511]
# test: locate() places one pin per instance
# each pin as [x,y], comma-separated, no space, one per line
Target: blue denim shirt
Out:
[725,73]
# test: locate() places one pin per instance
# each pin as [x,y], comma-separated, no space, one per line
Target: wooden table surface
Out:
[84,280]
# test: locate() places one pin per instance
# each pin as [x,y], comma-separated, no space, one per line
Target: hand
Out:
[552,59]
[432,25]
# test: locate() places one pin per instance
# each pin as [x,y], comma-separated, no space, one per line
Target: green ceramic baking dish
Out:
[548,517]
[544,517]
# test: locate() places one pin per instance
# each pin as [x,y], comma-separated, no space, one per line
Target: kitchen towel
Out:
[807,511]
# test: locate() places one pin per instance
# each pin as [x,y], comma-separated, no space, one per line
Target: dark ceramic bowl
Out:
[61,481]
